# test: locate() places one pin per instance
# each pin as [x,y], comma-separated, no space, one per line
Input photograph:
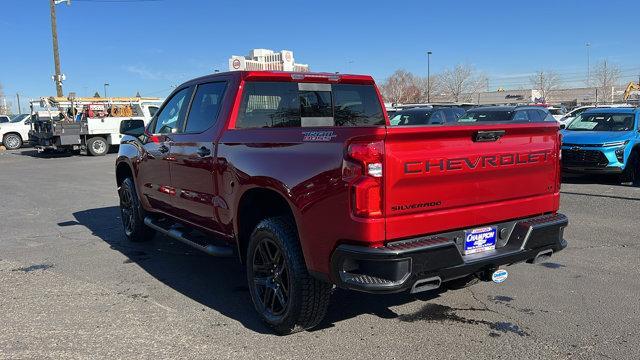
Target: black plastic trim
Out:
[528,238]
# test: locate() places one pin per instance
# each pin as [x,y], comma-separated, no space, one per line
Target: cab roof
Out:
[290,76]
[612,110]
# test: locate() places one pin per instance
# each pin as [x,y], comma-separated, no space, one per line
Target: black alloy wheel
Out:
[127,211]
[271,278]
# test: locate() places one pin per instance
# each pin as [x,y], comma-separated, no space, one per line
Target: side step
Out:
[174,232]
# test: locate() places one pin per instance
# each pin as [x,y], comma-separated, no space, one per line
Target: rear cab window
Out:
[291,104]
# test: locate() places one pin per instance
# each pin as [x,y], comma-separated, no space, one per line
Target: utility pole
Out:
[56,56]
[429,76]
[19,108]
[105,89]
[588,65]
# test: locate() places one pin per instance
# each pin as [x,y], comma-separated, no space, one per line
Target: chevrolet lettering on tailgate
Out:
[478,162]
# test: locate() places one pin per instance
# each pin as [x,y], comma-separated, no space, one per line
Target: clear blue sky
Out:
[148,45]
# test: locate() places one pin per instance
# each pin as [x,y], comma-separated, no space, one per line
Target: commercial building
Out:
[264,59]
[568,97]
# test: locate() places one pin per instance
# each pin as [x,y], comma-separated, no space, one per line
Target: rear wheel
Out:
[97,146]
[631,171]
[287,298]
[132,213]
[12,141]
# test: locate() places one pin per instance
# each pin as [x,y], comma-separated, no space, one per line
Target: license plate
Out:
[479,240]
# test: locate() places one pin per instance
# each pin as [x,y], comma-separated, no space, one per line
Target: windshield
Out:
[602,122]
[556,111]
[18,118]
[487,115]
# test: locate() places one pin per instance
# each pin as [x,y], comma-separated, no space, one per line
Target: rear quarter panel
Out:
[307,174]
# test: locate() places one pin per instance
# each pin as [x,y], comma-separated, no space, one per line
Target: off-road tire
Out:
[97,146]
[132,213]
[631,173]
[308,298]
[462,283]
[12,141]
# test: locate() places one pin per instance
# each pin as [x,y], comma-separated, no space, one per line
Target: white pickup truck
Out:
[15,132]
[94,134]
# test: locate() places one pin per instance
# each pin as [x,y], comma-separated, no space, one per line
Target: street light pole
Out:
[56,55]
[105,89]
[19,108]
[429,76]
[588,65]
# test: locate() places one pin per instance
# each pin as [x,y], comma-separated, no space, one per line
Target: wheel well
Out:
[256,205]
[123,171]
[12,132]
[89,137]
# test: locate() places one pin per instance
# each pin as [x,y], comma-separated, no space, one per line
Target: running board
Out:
[177,234]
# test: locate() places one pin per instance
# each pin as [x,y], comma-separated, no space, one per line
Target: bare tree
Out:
[606,76]
[401,87]
[462,82]
[429,91]
[4,109]
[545,81]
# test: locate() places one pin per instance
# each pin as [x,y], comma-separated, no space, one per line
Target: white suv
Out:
[15,132]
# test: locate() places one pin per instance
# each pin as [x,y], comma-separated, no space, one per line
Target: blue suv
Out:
[603,141]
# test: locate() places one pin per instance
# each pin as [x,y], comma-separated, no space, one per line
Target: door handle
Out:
[203,151]
[163,149]
[486,136]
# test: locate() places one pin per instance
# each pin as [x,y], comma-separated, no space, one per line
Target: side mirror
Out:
[562,126]
[28,122]
[133,127]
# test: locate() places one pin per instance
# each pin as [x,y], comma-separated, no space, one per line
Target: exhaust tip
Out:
[426,284]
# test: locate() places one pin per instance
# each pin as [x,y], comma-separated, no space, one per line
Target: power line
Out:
[120,1]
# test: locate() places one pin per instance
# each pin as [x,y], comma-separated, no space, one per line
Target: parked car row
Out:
[454,114]
[596,139]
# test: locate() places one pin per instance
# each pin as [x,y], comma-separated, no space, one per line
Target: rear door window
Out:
[545,116]
[412,117]
[487,115]
[437,118]
[284,104]
[205,107]
[534,115]
[453,115]
[521,115]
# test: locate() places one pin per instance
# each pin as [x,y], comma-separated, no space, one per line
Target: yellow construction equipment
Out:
[630,89]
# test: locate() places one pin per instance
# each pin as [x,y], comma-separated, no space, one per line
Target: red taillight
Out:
[365,177]
[559,164]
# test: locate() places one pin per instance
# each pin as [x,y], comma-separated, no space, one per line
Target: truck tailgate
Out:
[451,177]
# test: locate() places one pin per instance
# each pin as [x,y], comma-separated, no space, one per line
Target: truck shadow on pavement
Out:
[219,283]
[45,155]
[585,179]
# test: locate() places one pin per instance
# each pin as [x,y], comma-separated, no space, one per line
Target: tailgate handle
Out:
[485,136]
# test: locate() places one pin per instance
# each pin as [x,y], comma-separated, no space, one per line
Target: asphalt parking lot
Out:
[71,286]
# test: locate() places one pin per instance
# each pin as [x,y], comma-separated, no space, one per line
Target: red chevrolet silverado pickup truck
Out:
[302,177]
